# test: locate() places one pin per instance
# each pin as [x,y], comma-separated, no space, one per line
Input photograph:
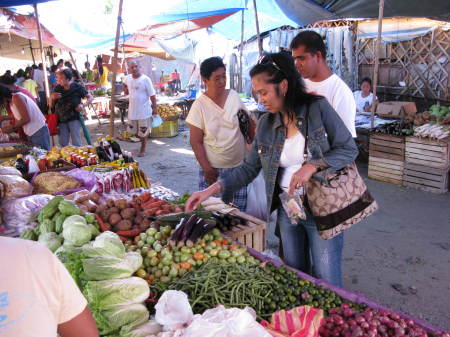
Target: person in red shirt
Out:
[176,80]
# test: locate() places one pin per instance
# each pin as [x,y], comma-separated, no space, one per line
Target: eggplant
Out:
[201,228]
[177,233]
[187,229]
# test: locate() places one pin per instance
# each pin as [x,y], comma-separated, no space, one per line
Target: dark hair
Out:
[278,67]
[312,42]
[20,73]
[27,75]
[7,79]
[368,80]
[100,62]
[67,73]
[76,76]
[60,61]
[5,93]
[68,64]
[210,65]
[86,64]
[34,66]
[53,68]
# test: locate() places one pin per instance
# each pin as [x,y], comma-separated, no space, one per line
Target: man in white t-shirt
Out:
[38,297]
[140,89]
[39,78]
[309,53]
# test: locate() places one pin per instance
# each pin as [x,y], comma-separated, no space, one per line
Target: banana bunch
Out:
[138,178]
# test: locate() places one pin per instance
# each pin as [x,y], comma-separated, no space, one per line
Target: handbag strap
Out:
[305,150]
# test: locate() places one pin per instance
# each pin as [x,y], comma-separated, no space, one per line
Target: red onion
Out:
[357,331]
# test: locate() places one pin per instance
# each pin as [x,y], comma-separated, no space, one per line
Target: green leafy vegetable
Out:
[76,234]
[107,268]
[28,234]
[51,240]
[104,245]
[124,318]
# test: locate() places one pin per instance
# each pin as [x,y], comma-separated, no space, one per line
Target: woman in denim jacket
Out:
[278,150]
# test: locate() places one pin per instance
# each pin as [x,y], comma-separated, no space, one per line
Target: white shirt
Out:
[37,119]
[37,293]
[223,140]
[361,101]
[38,77]
[291,158]
[339,96]
[140,89]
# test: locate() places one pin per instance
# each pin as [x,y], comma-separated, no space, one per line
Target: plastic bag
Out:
[222,322]
[9,170]
[19,214]
[256,198]
[301,321]
[15,186]
[86,178]
[173,310]
[156,121]
[293,205]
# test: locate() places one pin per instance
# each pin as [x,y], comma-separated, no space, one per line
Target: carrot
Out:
[144,197]
[123,239]
[136,206]
[130,233]
[151,211]
[158,204]
[103,226]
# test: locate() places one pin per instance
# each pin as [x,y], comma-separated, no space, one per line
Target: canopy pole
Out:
[113,84]
[240,84]
[44,66]
[377,63]
[258,36]
[31,50]
[73,61]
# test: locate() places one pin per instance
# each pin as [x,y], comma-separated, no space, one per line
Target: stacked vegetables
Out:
[60,222]
[103,271]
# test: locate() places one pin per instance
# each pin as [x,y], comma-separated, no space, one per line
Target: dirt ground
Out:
[399,257]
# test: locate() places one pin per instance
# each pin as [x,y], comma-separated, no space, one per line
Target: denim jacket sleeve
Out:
[242,175]
[342,148]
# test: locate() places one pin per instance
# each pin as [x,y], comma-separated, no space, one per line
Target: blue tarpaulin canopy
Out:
[13,3]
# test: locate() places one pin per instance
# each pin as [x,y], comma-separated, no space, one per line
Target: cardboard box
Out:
[396,109]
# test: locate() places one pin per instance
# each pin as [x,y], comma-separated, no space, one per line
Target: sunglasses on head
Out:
[267,59]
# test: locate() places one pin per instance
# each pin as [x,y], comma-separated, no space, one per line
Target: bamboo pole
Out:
[41,47]
[31,50]
[73,61]
[258,36]
[240,85]
[377,63]
[113,86]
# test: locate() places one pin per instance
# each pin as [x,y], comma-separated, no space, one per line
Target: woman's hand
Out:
[211,175]
[55,95]
[7,128]
[301,177]
[198,197]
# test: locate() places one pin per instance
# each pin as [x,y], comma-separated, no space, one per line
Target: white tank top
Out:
[291,158]
[37,119]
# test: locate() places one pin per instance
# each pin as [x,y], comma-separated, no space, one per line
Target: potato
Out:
[95,197]
[100,209]
[144,225]
[139,218]
[114,210]
[105,215]
[110,203]
[91,206]
[114,219]
[128,213]
[123,225]
[121,204]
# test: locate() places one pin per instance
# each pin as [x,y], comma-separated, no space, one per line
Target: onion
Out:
[364,325]
[329,326]
[352,322]
[347,334]
[360,319]
[348,312]
[394,316]
[357,332]
[399,331]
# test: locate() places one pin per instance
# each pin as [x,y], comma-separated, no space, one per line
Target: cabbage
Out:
[104,295]
[94,230]
[74,219]
[145,330]
[124,317]
[108,268]
[51,240]
[76,234]
[107,244]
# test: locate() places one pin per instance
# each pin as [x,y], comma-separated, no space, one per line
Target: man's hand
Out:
[211,175]
[55,95]
[301,177]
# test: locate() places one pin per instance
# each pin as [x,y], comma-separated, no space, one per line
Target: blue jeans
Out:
[71,130]
[303,245]
[41,138]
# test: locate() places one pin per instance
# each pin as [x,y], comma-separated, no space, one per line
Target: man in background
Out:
[176,80]
[45,302]
[38,77]
[309,54]
[88,74]
[141,92]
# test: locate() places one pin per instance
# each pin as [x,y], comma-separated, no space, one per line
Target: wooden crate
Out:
[387,147]
[425,178]
[386,170]
[252,235]
[427,152]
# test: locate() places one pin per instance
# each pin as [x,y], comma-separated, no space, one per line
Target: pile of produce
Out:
[53,182]
[265,288]
[441,112]
[129,218]
[100,92]
[167,111]
[397,128]
[433,131]
[60,222]
[167,259]
[346,322]
[67,152]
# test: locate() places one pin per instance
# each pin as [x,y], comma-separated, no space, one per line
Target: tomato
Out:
[225,242]
[233,247]
[198,256]
[217,242]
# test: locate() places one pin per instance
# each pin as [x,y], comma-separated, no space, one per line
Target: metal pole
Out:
[377,63]
[46,86]
[260,47]
[31,50]
[240,84]
[113,86]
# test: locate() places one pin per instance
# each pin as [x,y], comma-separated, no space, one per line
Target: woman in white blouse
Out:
[364,97]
